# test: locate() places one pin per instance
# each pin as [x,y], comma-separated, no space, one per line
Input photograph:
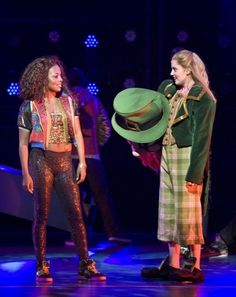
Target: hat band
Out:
[135,126]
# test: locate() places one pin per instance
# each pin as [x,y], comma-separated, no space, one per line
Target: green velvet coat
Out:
[193,127]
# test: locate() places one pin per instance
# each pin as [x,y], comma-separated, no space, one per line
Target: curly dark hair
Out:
[34,79]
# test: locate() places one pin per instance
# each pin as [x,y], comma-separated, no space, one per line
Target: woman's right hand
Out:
[28,184]
[81,173]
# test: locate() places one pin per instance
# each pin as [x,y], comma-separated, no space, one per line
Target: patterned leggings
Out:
[50,169]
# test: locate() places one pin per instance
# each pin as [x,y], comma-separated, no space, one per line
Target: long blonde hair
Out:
[191,60]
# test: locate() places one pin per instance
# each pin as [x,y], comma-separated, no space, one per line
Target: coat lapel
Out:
[195,94]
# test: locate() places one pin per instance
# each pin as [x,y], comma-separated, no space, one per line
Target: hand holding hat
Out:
[141,115]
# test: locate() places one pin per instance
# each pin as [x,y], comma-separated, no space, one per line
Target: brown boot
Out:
[87,270]
[43,272]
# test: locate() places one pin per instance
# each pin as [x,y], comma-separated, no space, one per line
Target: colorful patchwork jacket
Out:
[33,117]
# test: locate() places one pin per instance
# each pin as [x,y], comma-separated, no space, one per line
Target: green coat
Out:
[193,127]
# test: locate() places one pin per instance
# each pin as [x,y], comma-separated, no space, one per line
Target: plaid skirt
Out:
[180,212]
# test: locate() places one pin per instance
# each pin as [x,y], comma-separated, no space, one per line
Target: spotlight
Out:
[129,82]
[91,41]
[130,35]
[54,36]
[14,89]
[182,36]
[93,89]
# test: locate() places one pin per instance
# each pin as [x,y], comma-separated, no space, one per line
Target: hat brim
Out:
[149,135]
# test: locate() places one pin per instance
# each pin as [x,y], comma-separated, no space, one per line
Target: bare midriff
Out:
[59,147]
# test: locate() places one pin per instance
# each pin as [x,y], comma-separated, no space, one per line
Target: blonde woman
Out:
[184,164]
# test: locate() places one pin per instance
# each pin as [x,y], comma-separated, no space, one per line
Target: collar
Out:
[195,93]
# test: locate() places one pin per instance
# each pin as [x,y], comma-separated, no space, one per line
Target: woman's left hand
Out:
[192,187]
[81,173]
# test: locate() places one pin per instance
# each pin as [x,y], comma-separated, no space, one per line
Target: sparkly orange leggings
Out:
[50,169]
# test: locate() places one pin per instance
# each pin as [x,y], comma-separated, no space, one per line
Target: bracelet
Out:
[81,165]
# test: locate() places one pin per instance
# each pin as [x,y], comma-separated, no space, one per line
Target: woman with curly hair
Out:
[49,125]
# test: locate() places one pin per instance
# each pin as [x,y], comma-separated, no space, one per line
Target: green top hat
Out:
[141,115]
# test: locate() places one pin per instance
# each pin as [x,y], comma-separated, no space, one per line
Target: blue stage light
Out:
[54,36]
[93,89]
[130,35]
[129,82]
[91,41]
[14,89]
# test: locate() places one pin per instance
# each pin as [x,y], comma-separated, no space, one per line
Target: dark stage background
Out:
[136,39]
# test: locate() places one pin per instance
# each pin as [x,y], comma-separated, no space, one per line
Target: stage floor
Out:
[121,264]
